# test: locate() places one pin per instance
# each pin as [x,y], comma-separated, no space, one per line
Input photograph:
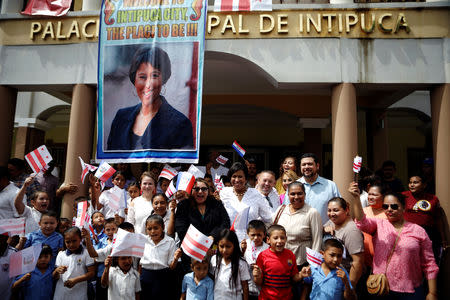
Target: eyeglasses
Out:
[393,206]
[198,189]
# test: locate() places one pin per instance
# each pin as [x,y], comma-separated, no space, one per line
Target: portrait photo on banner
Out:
[150,97]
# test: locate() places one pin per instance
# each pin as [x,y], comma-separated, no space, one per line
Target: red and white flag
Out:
[39,158]
[242,5]
[357,163]
[24,261]
[196,172]
[171,190]
[185,182]
[168,172]
[313,257]
[241,220]
[87,224]
[104,171]
[128,244]
[222,160]
[241,151]
[218,183]
[195,244]
[85,169]
[15,226]
[55,8]
[81,214]
[116,197]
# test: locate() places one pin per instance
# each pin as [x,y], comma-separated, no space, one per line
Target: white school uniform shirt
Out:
[76,266]
[7,197]
[251,259]
[137,213]
[123,286]
[222,288]
[106,210]
[32,217]
[158,257]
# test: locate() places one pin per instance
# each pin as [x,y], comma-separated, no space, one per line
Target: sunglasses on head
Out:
[393,206]
[198,189]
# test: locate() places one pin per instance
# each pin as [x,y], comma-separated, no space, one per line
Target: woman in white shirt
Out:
[237,197]
[141,207]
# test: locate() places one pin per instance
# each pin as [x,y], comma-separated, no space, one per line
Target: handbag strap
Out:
[279,214]
[393,248]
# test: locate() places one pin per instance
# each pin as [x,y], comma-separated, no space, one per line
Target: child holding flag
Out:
[39,283]
[74,268]
[104,202]
[252,247]
[160,258]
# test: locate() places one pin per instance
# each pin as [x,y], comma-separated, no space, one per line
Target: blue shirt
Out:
[55,241]
[329,287]
[203,291]
[102,243]
[318,194]
[39,287]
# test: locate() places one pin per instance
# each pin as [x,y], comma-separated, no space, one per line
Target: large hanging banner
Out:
[150,75]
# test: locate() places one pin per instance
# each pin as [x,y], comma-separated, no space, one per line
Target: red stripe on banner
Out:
[196,244]
[39,157]
[192,251]
[31,161]
[244,4]
[226,5]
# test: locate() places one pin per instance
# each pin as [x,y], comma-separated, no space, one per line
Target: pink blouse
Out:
[412,256]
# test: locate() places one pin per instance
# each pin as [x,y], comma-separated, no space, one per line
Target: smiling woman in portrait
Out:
[153,123]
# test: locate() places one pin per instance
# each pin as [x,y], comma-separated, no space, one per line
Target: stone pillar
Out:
[81,132]
[90,5]
[12,6]
[344,134]
[8,97]
[440,118]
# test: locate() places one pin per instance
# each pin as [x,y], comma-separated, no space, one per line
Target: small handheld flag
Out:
[168,172]
[185,182]
[222,160]
[85,169]
[195,244]
[218,182]
[81,214]
[171,190]
[196,172]
[128,244]
[14,226]
[38,159]
[357,163]
[116,198]
[104,171]
[238,148]
[240,223]
[314,258]
[24,261]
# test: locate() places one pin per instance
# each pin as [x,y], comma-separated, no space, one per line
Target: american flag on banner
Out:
[104,171]
[39,158]
[15,226]
[85,169]
[357,163]
[195,244]
[314,258]
[242,5]
[168,172]
[222,160]
[128,244]
[55,8]
[24,261]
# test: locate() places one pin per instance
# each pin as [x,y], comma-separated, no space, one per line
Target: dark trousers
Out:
[101,293]
[157,284]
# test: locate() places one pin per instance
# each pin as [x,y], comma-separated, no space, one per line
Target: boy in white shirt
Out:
[121,279]
[251,247]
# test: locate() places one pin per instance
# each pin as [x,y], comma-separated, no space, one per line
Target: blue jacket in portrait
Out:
[169,129]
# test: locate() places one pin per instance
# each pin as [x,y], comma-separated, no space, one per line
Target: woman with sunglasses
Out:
[412,255]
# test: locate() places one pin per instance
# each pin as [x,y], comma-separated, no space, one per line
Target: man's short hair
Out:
[275,227]
[309,155]
[17,162]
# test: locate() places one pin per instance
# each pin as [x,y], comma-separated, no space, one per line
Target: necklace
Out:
[239,194]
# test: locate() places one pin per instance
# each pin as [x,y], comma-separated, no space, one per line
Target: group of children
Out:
[251,269]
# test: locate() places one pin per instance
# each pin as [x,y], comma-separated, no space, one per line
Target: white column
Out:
[11,6]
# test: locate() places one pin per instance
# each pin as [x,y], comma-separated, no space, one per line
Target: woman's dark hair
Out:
[297,183]
[46,250]
[400,198]
[225,179]
[238,166]
[153,55]
[340,200]
[236,256]
[119,173]
[158,219]
[74,230]
[295,164]
[380,187]
[161,195]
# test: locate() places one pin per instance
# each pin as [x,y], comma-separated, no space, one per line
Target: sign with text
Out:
[150,80]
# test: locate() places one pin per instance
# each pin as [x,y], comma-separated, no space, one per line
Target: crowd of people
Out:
[380,229]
